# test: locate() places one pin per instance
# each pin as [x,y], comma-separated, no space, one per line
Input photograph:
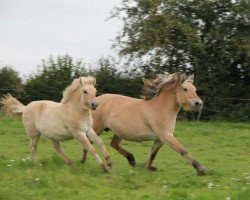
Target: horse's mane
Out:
[77,83]
[152,88]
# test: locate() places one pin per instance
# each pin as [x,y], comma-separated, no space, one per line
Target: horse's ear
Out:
[80,81]
[190,78]
[94,80]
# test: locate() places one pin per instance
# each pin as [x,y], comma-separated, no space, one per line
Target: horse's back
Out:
[35,109]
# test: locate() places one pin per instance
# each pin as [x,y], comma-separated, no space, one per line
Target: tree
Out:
[10,82]
[52,78]
[111,80]
[204,37]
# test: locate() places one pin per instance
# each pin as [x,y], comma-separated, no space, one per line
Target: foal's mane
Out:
[73,87]
[152,88]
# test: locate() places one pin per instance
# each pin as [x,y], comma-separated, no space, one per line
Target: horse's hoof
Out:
[201,170]
[70,163]
[152,169]
[132,163]
[109,162]
[106,168]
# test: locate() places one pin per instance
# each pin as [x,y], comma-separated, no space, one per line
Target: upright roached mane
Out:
[152,88]
[67,93]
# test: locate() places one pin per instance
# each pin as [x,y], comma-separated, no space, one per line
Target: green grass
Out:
[224,148]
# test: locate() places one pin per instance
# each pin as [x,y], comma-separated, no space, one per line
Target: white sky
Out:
[31,30]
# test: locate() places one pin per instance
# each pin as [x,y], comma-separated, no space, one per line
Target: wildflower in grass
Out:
[12,160]
[37,179]
[8,165]
[225,187]
[210,185]
[164,187]
[23,159]
[228,198]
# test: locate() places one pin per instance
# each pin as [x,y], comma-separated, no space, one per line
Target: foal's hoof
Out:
[201,170]
[109,162]
[70,162]
[106,168]
[152,169]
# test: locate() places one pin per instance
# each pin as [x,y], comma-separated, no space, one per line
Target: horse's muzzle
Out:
[93,104]
[196,104]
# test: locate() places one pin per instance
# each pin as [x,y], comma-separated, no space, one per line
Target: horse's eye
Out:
[85,92]
[185,89]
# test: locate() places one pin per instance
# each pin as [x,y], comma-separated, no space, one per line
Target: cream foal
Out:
[71,118]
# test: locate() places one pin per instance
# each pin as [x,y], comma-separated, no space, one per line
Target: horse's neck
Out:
[167,101]
[74,106]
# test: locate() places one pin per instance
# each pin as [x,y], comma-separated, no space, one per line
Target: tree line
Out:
[207,38]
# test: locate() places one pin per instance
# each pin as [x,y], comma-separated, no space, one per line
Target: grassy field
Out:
[224,148]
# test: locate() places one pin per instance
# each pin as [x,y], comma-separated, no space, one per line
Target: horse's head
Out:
[180,84]
[186,95]
[83,89]
[88,92]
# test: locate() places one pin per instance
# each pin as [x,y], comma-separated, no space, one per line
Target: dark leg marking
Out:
[115,143]
[200,169]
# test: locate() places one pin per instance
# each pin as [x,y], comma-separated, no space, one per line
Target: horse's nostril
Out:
[197,103]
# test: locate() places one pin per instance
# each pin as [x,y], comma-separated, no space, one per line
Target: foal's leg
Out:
[34,137]
[155,148]
[98,128]
[115,143]
[172,142]
[89,147]
[59,149]
[100,143]
[33,146]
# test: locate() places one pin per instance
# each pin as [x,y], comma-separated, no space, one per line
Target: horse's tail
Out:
[11,106]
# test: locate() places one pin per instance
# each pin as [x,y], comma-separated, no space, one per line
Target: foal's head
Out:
[177,83]
[83,89]
[88,92]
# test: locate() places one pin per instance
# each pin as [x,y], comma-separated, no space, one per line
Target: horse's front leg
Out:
[172,142]
[155,148]
[88,146]
[100,143]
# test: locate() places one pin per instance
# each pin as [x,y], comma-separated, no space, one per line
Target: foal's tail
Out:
[11,106]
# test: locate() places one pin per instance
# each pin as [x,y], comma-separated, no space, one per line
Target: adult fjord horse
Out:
[62,121]
[150,118]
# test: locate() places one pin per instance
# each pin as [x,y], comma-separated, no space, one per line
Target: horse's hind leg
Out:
[33,146]
[155,148]
[59,149]
[115,143]
[34,137]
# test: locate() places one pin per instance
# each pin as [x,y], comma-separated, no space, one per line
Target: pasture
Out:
[223,148]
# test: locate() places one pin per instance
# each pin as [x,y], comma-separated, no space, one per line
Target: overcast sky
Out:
[31,30]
